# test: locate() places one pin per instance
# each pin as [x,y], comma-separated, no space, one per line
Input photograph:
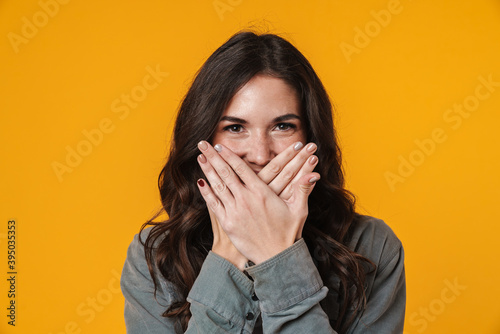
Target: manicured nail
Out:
[311,147]
[201,183]
[203,145]
[313,160]
[298,146]
[313,179]
[218,148]
[202,158]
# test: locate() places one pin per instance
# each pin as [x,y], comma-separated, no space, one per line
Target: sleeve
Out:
[290,288]
[220,298]
[385,308]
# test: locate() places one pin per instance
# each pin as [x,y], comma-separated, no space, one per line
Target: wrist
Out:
[270,252]
[233,256]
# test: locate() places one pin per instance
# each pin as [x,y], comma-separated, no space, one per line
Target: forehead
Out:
[264,96]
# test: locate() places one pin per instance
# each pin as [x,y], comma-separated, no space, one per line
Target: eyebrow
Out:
[278,119]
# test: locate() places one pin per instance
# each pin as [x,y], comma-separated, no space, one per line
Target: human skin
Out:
[259,171]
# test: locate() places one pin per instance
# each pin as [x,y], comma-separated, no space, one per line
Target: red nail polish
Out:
[201,183]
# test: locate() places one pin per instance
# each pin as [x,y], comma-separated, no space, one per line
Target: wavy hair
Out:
[177,246]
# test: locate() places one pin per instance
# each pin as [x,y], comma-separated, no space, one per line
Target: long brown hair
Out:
[178,245]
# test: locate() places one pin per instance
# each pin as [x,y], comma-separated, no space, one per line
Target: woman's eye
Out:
[233,128]
[285,126]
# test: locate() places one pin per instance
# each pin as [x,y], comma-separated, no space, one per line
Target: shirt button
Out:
[249,316]
[254,297]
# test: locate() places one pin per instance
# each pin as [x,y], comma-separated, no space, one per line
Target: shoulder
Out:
[146,302]
[374,239]
[385,284]
[136,269]
[136,249]
[136,254]
[135,264]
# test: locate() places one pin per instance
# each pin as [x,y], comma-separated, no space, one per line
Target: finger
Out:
[239,170]
[306,168]
[217,185]
[213,202]
[292,169]
[224,170]
[304,188]
[298,203]
[274,167]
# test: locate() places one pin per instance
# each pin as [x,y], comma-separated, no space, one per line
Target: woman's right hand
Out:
[279,174]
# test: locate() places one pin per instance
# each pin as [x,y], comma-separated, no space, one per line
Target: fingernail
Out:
[202,158]
[313,179]
[298,146]
[218,148]
[313,159]
[201,183]
[203,145]
[311,147]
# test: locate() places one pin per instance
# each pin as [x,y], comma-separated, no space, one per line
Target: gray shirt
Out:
[284,293]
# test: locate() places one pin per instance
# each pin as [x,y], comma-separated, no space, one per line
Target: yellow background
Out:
[394,90]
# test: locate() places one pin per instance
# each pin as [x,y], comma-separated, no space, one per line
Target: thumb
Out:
[215,225]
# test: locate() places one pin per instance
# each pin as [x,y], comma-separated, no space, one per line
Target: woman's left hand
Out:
[258,222]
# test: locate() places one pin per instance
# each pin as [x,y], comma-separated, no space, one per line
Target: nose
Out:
[260,150]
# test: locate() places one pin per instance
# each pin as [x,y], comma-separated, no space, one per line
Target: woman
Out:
[261,234]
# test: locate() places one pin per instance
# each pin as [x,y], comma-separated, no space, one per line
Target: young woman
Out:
[261,236]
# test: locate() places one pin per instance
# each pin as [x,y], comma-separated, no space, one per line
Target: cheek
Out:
[281,144]
[296,137]
[234,145]
[218,138]
[277,144]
